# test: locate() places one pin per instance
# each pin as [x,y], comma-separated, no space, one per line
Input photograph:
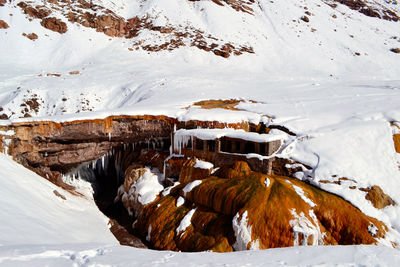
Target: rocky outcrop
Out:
[38,12]
[30,36]
[241,209]
[238,5]
[124,237]
[396,140]
[377,197]
[54,24]
[51,149]
[189,172]
[3,24]
[95,16]
[367,8]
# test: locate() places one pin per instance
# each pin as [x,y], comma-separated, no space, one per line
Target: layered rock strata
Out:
[237,209]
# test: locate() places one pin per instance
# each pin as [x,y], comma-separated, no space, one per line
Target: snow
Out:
[361,150]
[147,187]
[31,213]
[183,136]
[190,186]
[186,222]
[97,255]
[201,164]
[301,193]
[242,233]
[307,227]
[148,237]
[180,201]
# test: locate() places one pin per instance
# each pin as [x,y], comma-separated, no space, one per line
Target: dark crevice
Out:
[106,175]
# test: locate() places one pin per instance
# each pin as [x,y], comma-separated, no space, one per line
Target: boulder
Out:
[54,24]
[3,24]
[377,197]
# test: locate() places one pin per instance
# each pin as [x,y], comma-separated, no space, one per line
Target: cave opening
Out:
[104,176]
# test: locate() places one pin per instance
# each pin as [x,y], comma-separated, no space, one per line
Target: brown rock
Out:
[3,24]
[305,19]
[153,158]
[190,173]
[31,36]
[4,116]
[271,208]
[396,140]
[53,74]
[54,24]
[377,197]
[173,167]
[75,72]
[395,50]
[124,237]
[132,174]
[33,12]
[3,2]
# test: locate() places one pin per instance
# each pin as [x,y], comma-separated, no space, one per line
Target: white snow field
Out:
[333,81]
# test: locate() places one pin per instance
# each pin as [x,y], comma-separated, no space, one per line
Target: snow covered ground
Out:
[100,255]
[34,211]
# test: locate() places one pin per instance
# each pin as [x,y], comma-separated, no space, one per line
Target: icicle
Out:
[109,136]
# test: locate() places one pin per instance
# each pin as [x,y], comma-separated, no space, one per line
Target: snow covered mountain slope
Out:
[92,255]
[36,212]
[338,54]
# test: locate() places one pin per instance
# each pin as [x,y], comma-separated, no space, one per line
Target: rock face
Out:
[367,9]
[396,140]
[189,172]
[54,24]
[89,14]
[51,149]
[240,209]
[377,197]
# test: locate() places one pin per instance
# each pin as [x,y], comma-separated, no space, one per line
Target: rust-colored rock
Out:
[31,36]
[123,236]
[190,173]
[396,140]
[34,12]
[305,19]
[3,2]
[51,148]
[273,206]
[377,197]
[153,158]
[3,24]
[132,174]
[173,166]
[54,24]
